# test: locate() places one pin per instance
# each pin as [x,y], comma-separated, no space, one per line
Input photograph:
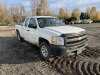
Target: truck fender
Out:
[43,40]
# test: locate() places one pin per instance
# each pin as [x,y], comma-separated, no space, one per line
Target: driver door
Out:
[33,33]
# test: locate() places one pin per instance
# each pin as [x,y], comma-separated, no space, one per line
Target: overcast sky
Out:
[54,5]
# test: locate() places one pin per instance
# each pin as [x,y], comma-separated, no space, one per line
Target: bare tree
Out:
[49,13]
[88,11]
[1,12]
[34,5]
[68,14]
[93,13]
[4,14]
[97,16]
[22,12]
[62,13]
[38,11]
[15,13]
[76,13]
[18,12]
[44,6]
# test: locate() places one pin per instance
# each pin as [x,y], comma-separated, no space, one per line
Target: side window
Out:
[26,22]
[32,21]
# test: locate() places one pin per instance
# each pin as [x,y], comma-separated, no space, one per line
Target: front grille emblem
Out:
[79,38]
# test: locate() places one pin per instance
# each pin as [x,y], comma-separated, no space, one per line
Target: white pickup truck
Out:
[53,37]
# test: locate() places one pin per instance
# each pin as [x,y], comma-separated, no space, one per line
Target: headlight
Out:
[57,40]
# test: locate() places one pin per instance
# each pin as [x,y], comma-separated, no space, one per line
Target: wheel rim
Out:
[44,51]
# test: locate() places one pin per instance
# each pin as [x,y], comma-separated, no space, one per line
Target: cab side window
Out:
[32,22]
[26,22]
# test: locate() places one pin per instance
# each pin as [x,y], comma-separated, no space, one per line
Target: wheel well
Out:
[17,30]
[43,40]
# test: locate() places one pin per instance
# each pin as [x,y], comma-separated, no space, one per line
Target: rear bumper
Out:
[58,50]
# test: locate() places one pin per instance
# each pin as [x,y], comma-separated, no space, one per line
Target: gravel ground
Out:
[23,58]
[20,58]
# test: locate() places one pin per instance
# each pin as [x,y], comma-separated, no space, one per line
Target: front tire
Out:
[45,51]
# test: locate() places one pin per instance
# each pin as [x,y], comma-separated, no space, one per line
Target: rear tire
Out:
[45,51]
[19,37]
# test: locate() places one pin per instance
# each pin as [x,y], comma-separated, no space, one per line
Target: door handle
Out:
[28,30]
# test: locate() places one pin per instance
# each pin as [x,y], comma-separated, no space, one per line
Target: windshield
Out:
[49,22]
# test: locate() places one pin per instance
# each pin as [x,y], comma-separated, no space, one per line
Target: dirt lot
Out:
[23,58]
[93,31]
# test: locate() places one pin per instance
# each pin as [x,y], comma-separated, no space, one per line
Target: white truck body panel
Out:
[66,29]
[32,35]
[46,32]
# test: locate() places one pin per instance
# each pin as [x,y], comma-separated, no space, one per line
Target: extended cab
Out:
[53,37]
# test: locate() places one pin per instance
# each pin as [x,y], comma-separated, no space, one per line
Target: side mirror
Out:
[32,26]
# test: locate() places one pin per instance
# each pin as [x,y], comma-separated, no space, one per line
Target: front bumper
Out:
[58,50]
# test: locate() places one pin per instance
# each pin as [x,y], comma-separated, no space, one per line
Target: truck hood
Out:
[65,29]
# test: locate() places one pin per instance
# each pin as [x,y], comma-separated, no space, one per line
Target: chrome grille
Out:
[76,40]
